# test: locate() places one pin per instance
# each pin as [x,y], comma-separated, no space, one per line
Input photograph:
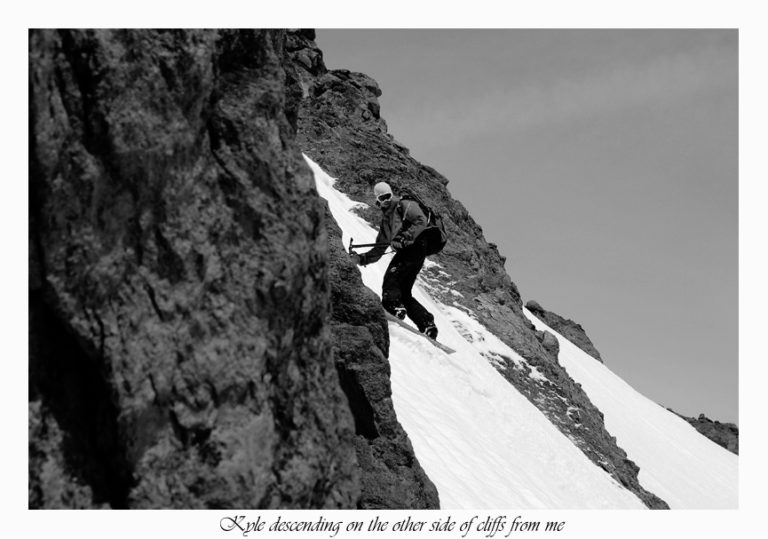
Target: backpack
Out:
[438,238]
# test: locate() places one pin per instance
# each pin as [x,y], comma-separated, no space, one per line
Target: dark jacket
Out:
[403,220]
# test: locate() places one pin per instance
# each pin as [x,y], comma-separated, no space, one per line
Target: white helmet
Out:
[382,188]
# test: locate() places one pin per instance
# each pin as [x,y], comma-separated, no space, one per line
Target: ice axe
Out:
[355,246]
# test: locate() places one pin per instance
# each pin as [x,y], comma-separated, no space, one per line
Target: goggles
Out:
[383,197]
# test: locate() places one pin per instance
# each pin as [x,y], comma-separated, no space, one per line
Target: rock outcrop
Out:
[565,327]
[183,348]
[340,127]
[723,434]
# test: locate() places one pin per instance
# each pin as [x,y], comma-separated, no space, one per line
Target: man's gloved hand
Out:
[399,241]
[356,258]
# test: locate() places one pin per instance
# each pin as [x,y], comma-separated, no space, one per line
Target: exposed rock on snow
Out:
[676,462]
[567,328]
[723,434]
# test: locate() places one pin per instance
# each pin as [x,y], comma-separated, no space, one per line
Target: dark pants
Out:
[399,279]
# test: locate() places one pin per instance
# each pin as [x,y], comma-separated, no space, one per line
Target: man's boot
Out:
[431,331]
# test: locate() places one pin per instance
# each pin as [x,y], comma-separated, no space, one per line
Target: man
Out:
[404,228]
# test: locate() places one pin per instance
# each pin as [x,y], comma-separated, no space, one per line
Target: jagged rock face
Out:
[306,58]
[723,434]
[340,127]
[565,327]
[180,348]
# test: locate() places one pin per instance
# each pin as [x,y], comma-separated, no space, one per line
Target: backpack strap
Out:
[400,210]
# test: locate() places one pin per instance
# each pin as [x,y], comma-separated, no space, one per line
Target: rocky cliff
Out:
[194,341]
[340,127]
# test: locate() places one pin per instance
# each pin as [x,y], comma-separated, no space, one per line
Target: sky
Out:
[484,445]
[604,164]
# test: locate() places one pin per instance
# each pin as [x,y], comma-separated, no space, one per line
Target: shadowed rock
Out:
[180,353]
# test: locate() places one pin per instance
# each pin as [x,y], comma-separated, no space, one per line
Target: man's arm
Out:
[376,253]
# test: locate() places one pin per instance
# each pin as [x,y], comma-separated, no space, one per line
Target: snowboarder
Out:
[404,228]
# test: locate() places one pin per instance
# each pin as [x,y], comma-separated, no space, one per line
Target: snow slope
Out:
[483,444]
[676,463]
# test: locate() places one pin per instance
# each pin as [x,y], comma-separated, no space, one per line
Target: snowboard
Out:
[402,323]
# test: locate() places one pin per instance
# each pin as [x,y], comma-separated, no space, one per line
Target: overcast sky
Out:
[604,165]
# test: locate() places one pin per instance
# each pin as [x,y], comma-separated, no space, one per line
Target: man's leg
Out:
[391,298]
[413,262]
[398,281]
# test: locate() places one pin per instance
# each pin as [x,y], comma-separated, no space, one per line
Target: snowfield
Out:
[678,464]
[485,446]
